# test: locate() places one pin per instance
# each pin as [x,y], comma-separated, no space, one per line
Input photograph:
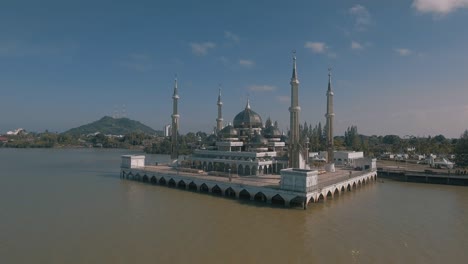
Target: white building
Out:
[16,132]
[347,157]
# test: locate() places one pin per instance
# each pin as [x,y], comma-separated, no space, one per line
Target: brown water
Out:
[69,206]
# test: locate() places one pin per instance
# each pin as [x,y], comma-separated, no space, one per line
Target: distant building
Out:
[167,130]
[16,132]
[347,157]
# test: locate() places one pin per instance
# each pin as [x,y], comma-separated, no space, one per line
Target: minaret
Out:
[330,116]
[175,123]
[219,120]
[294,147]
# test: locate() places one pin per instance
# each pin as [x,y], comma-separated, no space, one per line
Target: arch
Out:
[145,178]
[171,183]
[216,190]
[153,180]
[321,198]
[247,170]
[329,195]
[342,189]
[204,188]
[162,181]
[129,176]
[260,197]
[244,194]
[277,199]
[192,186]
[297,202]
[230,193]
[181,184]
[354,185]
[312,200]
[137,177]
[336,192]
[265,170]
[348,187]
[359,183]
[240,169]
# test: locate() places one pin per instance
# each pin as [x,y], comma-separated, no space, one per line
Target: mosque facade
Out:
[247,146]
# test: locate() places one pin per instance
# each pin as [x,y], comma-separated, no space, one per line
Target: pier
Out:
[427,176]
[262,188]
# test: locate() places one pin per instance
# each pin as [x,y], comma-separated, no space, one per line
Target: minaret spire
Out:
[219,120]
[294,145]
[247,106]
[175,122]
[330,116]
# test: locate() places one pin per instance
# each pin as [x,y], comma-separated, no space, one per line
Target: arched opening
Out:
[260,197]
[204,188]
[348,187]
[244,195]
[312,200]
[247,170]
[171,183]
[181,184]
[278,200]
[162,181]
[265,170]
[240,170]
[336,192]
[342,189]
[297,202]
[145,178]
[192,186]
[137,177]
[359,183]
[354,185]
[230,193]
[216,190]
[153,180]
[329,195]
[321,198]
[130,176]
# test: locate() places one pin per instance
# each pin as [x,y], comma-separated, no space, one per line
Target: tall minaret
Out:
[294,147]
[219,120]
[330,116]
[175,123]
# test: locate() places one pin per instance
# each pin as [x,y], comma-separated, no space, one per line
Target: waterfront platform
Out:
[262,188]
[434,176]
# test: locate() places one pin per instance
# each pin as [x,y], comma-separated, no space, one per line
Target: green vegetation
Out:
[113,126]
[461,150]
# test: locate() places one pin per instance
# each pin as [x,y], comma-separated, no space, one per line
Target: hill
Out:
[113,126]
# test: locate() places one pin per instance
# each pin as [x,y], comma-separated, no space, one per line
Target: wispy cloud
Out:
[361,16]
[283,99]
[201,49]
[356,45]
[403,52]
[261,88]
[316,47]
[246,63]
[439,7]
[231,36]
[138,62]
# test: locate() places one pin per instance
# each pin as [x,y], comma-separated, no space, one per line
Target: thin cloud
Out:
[231,36]
[356,45]
[283,99]
[439,7]
[403,52]
[246,63]
[201,49]
[261,88]
[361,16]
[316,47]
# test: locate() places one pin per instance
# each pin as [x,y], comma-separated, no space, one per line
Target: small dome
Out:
[229,132]
[272,132]
[259,140]
[248,119]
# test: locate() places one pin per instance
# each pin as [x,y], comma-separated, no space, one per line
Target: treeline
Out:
[186,143]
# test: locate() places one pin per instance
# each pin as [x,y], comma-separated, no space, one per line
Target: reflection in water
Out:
[69,206]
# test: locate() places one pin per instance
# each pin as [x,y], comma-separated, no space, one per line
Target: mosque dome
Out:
[272,132]
[259,140]
[229,132]
[248,118]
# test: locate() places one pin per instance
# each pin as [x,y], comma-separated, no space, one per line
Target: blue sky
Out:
[399,67]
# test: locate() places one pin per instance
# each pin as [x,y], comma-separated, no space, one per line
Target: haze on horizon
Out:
[399,67]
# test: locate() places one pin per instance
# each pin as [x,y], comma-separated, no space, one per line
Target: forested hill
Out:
[114,126]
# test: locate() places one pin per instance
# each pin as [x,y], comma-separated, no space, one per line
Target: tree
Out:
[461,150]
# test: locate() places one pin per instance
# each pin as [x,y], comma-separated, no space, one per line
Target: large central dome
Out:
[248,118]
